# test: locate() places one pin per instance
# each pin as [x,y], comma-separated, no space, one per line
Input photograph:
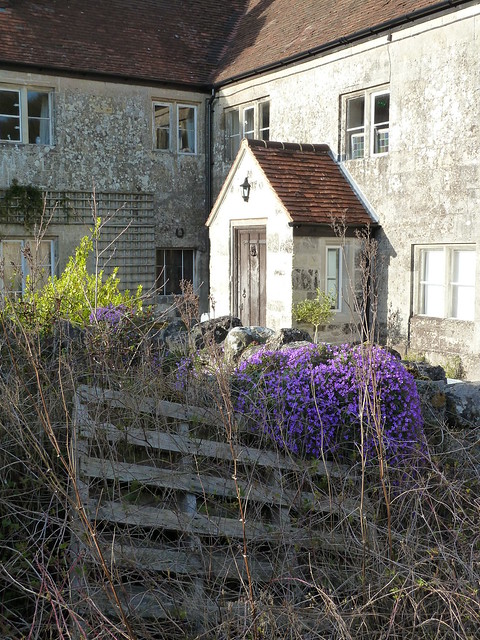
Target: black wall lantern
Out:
[245,186]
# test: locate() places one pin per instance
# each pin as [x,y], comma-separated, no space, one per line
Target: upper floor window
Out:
[169,118]
[25,115]
[446,281]
[22,258]
[252,121]
[367,123]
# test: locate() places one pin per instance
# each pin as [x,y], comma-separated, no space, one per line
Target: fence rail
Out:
[162,485]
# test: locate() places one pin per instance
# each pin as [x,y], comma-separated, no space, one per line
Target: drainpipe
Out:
[209,111]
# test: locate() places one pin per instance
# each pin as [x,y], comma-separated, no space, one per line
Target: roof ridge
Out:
[322,148]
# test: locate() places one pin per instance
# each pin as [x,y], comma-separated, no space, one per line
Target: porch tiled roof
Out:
[309,183]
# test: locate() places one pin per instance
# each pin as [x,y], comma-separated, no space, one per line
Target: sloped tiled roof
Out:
[192,42]
[274,31]
[309,183]
[176,41]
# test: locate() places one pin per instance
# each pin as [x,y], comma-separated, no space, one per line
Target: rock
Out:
[213,331]
[433,406]
[425,371]
[239,338]
[286,336]
[173,336]
[463,404]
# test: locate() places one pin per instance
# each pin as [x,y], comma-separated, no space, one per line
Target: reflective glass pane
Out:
[186,130]
[10,103]
[464,267]
[38,106]
[381,108]
[249,123]
[355,112]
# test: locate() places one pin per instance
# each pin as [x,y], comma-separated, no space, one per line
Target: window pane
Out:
[186,130]
[464,267]
[356,112]
[10,116]
[355,135]
[333,275]
[434,300]
[381,118]
[10,103]
[381,109]
[233,133]
[249,123]
[173,266]
[38,117]
[434,266]
[162,126]
[463,285]
[432,283]
[39,262]
[463,301]
[265,121]
[12,266]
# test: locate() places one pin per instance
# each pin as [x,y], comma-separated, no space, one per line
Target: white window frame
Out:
[24,264]
[337,277]
[368,129]
[442,281]
[234,135]
[24,117]
[175,130]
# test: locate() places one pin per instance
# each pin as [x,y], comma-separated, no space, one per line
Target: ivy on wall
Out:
[24,202]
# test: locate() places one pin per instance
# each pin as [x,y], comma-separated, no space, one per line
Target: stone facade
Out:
[424,191]
[103,141]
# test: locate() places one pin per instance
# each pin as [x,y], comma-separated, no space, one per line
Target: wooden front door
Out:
[250,270]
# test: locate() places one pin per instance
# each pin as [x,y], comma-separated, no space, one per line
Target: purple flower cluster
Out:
[320,399]
[110,315]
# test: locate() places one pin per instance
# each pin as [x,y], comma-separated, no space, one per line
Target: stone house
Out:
[150,103]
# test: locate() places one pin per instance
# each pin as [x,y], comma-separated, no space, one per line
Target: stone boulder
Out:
[213,331]
[463,404]
[286,336]
[174,336]
[239,338]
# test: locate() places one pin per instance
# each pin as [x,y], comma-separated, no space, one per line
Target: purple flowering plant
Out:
[316,399]
[111,314]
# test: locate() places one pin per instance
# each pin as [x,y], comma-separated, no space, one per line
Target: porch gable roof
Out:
[310,183]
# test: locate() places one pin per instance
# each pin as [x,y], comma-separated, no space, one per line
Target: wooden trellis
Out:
[162,485]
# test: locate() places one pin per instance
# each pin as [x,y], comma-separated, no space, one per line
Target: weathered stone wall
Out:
[425,190]
[103,140]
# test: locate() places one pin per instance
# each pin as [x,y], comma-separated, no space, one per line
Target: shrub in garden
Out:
[72,296]
[320,400]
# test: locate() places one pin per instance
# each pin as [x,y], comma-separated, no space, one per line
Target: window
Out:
[232,129]
[333,270]
[252,121]
[447,282]
[173,266]
[25,115]
[181,116]
[24,257]
[264,125]
[249,123]
[367,122]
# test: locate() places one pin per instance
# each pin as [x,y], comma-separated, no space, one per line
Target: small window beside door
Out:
[173,266]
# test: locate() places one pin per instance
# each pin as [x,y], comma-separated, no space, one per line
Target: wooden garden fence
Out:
[189,510]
